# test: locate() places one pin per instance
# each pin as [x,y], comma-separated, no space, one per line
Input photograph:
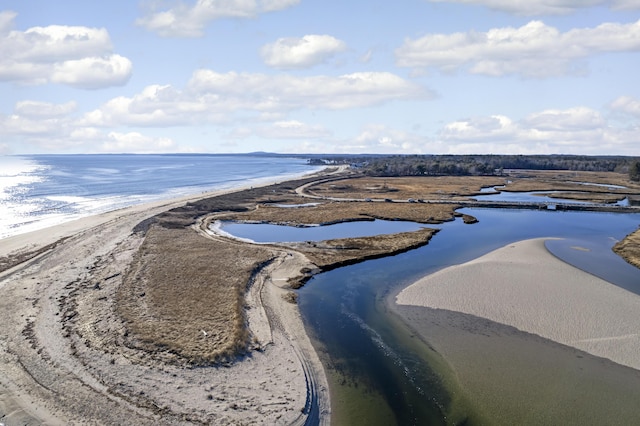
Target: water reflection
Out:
[527,197]
[268,233]
[492,193]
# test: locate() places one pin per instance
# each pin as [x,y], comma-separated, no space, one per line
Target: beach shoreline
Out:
[49,374]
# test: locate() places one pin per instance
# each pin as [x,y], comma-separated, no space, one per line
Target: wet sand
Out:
[530,339]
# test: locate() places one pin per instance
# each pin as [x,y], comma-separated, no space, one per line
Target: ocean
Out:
[39,191]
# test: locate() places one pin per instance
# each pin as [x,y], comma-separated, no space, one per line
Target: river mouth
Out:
[387,371]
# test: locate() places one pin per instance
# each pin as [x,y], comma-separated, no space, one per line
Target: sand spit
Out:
[525,286]
[61,361]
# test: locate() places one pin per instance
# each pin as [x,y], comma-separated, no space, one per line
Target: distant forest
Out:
[467,165]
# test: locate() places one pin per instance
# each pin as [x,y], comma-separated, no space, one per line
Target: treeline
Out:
[462,165]
[634,171]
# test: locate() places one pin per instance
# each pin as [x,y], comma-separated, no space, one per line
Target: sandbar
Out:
[523,285]
[520,337]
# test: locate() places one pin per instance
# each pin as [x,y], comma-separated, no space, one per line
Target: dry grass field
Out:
[629,248]
[591,197]
[403,188]
[569,177]
[461,187]
[334,211]
[573,184]
[183,295]
[330,254]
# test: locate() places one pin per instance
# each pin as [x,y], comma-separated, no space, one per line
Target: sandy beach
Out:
[529,339]
[49,375]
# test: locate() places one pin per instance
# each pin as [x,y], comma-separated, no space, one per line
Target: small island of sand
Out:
[525,286]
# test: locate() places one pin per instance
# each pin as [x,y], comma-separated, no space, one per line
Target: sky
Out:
[311,76]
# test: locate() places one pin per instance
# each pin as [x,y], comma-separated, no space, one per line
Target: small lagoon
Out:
[493,194]
[268,233]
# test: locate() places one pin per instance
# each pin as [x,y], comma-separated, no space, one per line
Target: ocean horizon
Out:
[39,191]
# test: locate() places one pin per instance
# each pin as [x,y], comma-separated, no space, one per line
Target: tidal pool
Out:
[491,193]
[527,197]
[268,233]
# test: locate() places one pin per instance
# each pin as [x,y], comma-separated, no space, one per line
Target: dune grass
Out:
[183,295]
[335,211]
[629,248]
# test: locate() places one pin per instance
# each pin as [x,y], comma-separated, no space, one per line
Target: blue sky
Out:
[302,76]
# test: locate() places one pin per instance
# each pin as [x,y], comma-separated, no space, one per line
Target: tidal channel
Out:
[379,372]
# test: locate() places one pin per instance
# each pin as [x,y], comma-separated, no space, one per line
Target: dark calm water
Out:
[539,196]
[344,309]
[263,233]
[43,190]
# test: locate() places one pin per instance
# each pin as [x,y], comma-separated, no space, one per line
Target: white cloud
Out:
[263,92]
[93,73]
[381,139]
[577,130]
[86,134]
[212,97]
[6,21]
[240,133]
[372,139]
[5,149]
[135,142]
[77,56]
[533,50]
[21,125]
[573,119]
[156,105]
[627,105]
[91,140]
[292,129]
[304,52]
[545,7]
[40,124]
[16,124]
[53,127]
[43,110]
[190,20]
[366,58]
[625,4]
